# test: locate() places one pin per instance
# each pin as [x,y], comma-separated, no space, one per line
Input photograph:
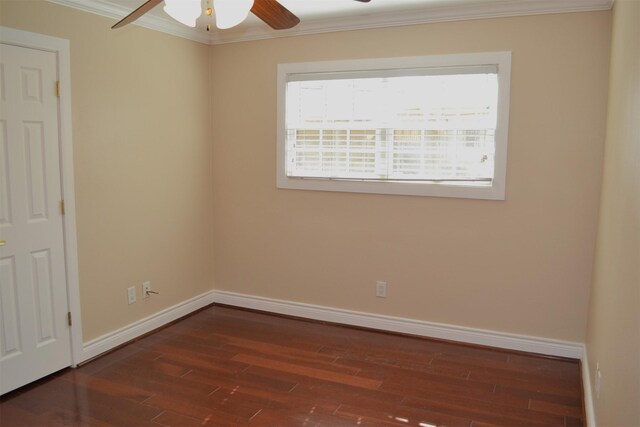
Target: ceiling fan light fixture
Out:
[184,11]
[230,13]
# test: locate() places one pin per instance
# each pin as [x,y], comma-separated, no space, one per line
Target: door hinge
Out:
[69,319]
[58,88]
[61,207]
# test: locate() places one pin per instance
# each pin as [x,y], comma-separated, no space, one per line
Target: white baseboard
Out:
[408,326]
[586,388]
[113,339]
[538,345]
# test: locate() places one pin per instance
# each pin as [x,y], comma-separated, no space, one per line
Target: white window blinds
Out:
[432,124]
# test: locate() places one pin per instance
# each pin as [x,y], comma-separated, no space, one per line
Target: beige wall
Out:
[142,161]
[613,339]
[142,157]
[142,120]
[521,266]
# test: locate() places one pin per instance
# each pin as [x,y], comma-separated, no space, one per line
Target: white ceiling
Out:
[318,16]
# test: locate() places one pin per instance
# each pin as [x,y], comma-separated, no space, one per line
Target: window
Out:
[431,126]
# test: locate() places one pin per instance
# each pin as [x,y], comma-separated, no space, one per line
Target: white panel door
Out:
[34,335]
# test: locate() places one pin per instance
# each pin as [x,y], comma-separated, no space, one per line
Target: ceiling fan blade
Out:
[364,1]
[146,7]
[274,14]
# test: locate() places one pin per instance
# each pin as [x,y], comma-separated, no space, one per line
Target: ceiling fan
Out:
[271,12]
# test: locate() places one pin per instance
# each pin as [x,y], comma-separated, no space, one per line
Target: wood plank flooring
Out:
[230,367]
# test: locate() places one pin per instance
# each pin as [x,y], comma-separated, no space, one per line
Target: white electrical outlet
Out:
[131,294]
[381,289]
[146,289]
[598,380]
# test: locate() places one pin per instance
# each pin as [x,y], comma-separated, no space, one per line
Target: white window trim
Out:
[496,192]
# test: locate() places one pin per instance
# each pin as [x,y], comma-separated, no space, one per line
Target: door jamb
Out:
[61,48]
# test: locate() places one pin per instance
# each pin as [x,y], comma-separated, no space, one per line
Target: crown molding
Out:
[483,9]
[110,10]
[479,10]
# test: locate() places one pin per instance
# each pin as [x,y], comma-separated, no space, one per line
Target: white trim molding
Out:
[109,341]
[429,14]
[422,328]
[587,390]
[117,12]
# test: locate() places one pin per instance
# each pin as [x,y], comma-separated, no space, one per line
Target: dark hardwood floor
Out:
[230,367]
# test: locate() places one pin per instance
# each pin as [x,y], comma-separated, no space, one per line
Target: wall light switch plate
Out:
[146,288]
[381,289]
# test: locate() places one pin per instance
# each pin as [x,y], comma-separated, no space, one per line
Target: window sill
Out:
[430,189]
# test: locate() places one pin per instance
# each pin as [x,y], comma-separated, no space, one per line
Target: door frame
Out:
[61,48]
